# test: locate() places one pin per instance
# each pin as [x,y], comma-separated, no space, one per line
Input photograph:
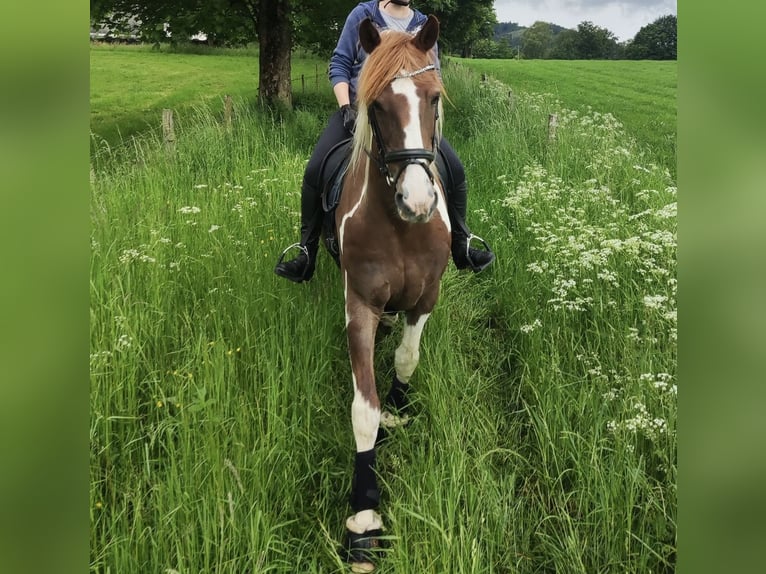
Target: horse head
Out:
[400,110]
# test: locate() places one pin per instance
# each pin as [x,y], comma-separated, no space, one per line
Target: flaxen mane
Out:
[394,55]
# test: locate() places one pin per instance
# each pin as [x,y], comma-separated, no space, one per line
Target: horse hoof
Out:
[362,567]
[389,319]
[363,543]
[362,549]
[390,420]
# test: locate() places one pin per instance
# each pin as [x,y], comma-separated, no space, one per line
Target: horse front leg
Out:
[365,525]
[405,360]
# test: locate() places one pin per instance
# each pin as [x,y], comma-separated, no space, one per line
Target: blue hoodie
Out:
[348,56]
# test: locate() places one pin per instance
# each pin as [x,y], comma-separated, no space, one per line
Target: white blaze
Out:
[414,182]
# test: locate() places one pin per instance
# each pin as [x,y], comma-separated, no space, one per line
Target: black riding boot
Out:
[462,253]
[301,268]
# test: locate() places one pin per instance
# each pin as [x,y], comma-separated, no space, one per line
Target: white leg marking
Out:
[364,521]
[365,420]
[408,353]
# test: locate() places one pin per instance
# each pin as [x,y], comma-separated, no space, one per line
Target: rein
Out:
[407,156]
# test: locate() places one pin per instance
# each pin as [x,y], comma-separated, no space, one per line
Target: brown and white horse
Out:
[394,238]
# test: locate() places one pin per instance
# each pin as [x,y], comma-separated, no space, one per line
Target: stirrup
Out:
[476,268]
[289,247]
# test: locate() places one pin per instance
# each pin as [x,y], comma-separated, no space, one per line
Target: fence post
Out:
[303,83]
[168,130]
[227,110]
[553,122]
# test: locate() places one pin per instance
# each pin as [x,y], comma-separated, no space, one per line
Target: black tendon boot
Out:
[301,268]
[462,253]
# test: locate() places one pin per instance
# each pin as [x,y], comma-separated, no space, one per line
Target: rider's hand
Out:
[349,117]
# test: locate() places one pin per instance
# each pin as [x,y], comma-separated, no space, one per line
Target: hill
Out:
[514,32]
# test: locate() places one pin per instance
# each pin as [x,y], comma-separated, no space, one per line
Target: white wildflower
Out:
[124,342]
[654,301]
[531,327]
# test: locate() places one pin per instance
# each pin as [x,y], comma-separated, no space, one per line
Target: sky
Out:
[624,18]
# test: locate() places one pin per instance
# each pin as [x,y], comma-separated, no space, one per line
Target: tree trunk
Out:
[275,38]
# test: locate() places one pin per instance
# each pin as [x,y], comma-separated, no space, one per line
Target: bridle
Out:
[407,156]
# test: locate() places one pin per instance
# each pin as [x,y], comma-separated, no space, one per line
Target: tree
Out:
[536,40]
[655,41]
[565,46]
[594,42]
[462,22]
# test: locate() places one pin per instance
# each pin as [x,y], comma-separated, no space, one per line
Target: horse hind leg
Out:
[406,360]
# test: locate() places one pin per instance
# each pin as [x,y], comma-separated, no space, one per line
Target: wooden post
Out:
[553,123]
[168,131]
[303,83]
[227,111]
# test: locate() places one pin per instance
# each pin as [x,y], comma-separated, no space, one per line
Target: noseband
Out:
[407,156]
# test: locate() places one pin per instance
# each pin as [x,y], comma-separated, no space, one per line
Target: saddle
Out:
[333,172]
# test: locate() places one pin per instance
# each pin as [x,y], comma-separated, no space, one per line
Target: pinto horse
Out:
[394,240]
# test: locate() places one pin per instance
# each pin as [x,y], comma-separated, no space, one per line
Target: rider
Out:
[345,65]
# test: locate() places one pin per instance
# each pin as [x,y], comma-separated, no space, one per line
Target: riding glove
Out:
[349,117]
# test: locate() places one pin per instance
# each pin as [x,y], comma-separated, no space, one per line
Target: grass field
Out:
[130,85]
[544,439]
[640,94]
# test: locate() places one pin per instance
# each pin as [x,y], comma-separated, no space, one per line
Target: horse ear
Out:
[426,38]
[369,36]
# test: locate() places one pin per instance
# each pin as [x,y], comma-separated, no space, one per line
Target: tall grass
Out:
[220,407]
[640,94]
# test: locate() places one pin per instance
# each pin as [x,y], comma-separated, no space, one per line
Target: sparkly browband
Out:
[428,68]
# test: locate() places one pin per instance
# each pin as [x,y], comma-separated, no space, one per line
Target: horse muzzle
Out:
[416,207]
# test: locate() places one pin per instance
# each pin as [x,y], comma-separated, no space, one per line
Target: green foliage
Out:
[565,46]
[655,41]
[544,40]
[226,22]
[536,40]
[463,23]
[486,48]
[595,42]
